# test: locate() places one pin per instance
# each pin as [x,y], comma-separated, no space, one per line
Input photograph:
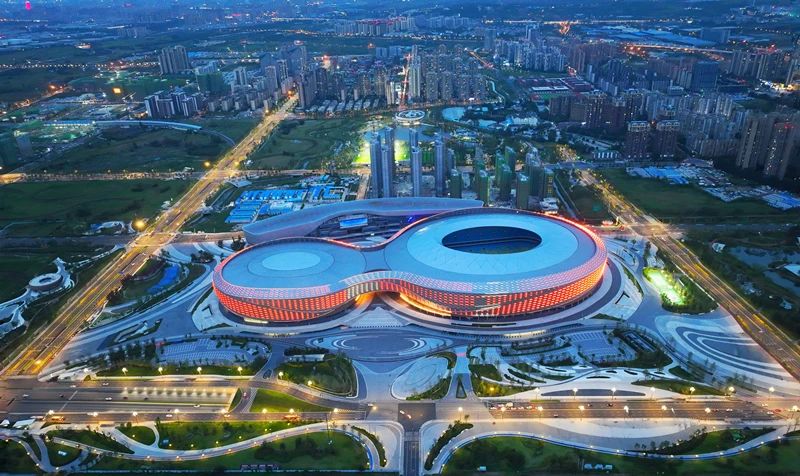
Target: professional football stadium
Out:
[463,263]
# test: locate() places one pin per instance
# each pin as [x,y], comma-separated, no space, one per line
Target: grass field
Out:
[313,453]
[142,434]
[140,85]
[236,129]
[139,149]
[68,208]
[306,144]
[277,402]
[586,201]
[514,455]
[686,202]
[203,435]
[19,84]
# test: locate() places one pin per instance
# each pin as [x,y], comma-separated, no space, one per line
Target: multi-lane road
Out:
[117,400]
[769,336]
[696,409]
[90,298]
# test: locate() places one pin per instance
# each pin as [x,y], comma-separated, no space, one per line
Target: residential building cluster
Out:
[443,75]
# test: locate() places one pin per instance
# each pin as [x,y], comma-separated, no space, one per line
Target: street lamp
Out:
[663,408]
[160,370]
[627,410]
[771,392]
[280,374]
[613,391]
[581,408]
[731,390]
[691,391]
[199,370]
[540,409]
[239,368]
[310,383]
[502,412]
[125,371]
[575,393]
[707,410]
[135,416]
[653,392]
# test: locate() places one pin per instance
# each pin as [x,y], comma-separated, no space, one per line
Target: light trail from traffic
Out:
[84,306]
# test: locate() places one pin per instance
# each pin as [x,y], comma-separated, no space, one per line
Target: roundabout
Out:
[409,117]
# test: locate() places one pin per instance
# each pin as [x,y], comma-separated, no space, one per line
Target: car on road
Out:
[169,415]
[108,399]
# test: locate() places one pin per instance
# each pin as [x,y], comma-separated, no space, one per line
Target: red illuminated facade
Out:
[430,294]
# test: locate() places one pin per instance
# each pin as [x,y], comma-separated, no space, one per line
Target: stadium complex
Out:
[445,257]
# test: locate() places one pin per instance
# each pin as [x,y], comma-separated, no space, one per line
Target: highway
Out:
[89,300]
[769,336]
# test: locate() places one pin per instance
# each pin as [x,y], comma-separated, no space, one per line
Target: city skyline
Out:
[457,238]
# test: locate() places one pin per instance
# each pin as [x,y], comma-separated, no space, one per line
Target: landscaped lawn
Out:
[312,453]
[434,393]
[335,374]
[57,459]
[680,386]
[683,202]
[14,458]
[679,294]
[201,435]
[19,265]
[715,441]
[515,455]
[139,149]
[483,388]
[68,208]
[91,438]
[142,434]
[277,402]
[136,369]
